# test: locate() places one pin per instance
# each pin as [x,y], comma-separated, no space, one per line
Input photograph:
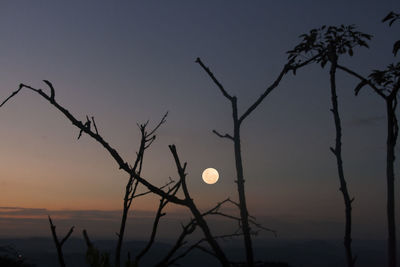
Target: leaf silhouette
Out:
[396,47]
[388,16]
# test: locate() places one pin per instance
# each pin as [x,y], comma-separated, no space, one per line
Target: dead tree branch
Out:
[237,121]
[132,185]
[59,244]
[134,172]
[223,136]
[196,213]
[219,85]
[163,202]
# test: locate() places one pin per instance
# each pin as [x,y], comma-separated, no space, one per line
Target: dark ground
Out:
[299,253]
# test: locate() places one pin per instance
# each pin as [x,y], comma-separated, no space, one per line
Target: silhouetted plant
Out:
[147,138]
[392,17]
[190,227]
[134,173]
[386,84]
[327,44]
[59,243]
[163,202]
[235,137]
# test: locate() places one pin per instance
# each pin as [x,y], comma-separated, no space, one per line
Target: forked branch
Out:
[59,244]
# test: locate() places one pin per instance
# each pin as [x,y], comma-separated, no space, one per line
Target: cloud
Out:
[21,213]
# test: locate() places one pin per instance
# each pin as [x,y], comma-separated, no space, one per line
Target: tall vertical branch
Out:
[134,172]
[393,77]
[390,158]
[337,151]
[146,140]
[163,202]
[237,121]
[325,45]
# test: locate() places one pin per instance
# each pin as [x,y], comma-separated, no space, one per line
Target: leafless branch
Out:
[189,228]
[132,185]
[221,88]
[266,92]
[134,174]
[197,245]
[237,121]
[162,121]
[263,228]
[50,85]
[59,244]
[189,249]
[158,216]
[223,136]
[196,213]
[114,154]
[87,240]
[365,80]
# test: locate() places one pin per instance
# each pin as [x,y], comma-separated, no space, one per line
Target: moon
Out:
[210,176]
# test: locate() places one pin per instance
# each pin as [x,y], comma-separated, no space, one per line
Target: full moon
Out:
[210,176]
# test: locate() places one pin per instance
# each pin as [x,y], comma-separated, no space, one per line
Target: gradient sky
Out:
[126,62]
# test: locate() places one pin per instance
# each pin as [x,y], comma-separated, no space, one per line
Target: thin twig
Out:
[13,94]
[223,136]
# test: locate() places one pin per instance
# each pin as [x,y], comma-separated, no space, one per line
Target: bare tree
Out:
[163,202]
[59,243]
[191,226]
[133,172]
[235,137]
[147,138]
[328,43]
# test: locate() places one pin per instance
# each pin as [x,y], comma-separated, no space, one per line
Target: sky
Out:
[128,61]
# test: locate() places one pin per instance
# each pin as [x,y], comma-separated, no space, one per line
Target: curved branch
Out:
[363,79]
[114,154]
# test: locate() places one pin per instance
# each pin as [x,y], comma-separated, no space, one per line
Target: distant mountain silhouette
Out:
[298,253]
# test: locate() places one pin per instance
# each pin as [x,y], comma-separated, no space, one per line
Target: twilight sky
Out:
[127,62]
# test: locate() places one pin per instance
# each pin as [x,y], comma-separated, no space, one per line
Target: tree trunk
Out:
[337,151]
[240,185]
[390,157]
[123,223]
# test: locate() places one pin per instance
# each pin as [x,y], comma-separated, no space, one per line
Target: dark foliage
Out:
[392,17]
[325,42]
